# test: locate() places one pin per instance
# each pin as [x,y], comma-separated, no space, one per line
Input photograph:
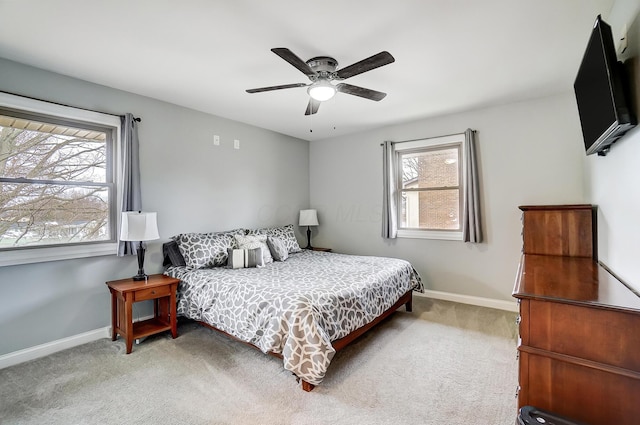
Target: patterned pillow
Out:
[279,251]
[202,250]
[285,233]
[241,258]
[255,241]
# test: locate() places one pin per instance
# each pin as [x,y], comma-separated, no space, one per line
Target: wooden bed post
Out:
[307,386]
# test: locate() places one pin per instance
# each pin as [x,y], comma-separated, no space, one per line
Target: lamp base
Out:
[141,274]
[308,238]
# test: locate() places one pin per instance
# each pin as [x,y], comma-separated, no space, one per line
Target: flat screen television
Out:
[602,93]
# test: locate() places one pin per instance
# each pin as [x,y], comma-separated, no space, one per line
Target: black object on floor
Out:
[530,415]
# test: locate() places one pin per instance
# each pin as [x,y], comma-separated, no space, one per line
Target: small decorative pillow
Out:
[242,258]
[255,241]
[202,250]
[278,250]
[285,233]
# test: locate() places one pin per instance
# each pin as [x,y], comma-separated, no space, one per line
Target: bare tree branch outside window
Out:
[55,185]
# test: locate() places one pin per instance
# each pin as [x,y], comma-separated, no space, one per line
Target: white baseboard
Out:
[468,299]
[42,350]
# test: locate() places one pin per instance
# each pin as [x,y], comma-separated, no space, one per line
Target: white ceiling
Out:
[451,55]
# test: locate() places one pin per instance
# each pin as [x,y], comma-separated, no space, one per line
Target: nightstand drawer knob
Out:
[153,292]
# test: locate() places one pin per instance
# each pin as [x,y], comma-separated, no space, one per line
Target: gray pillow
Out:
[172,255]
[242,258]
[278,249]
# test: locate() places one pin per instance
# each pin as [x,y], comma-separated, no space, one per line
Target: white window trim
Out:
[449,235]
[54,253]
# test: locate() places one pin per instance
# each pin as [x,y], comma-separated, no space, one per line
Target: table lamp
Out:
[139,226]
[308,218]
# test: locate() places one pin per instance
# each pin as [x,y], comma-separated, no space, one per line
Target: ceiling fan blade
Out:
[372,62]
[312,107]
[294,60]
[285,86]
[360,91]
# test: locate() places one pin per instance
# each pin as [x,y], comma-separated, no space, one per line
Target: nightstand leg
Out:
[114,315]
[128,318]
[173,313]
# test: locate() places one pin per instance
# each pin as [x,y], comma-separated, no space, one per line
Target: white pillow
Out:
[284,233]
[255,241]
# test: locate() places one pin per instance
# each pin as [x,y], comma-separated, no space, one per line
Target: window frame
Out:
[426,145]
[39,109]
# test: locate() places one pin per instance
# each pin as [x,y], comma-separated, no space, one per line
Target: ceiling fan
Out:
[321,70]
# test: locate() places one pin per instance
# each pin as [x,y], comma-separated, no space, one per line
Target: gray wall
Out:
[529,153]
[192,184]
[613,181]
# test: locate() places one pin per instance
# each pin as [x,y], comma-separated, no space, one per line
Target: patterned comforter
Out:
[296,308]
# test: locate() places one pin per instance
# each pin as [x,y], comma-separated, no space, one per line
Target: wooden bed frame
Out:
[339,344]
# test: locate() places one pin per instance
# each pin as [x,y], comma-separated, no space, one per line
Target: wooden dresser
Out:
[579,347]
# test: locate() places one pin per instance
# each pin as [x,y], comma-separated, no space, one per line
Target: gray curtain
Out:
[471,222]
[389,209]
[131,195]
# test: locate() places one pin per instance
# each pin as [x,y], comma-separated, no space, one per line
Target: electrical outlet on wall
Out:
[236,144]
[216,140]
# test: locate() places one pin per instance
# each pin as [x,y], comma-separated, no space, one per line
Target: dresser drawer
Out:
[591,333]
[152,293]
[580,392]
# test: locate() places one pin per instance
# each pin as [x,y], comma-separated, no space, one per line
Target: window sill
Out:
[40,255]
[431,234]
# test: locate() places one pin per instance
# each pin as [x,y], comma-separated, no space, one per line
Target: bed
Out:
[302,308]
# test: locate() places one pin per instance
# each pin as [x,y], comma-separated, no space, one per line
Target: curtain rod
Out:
[423,138]
[68,106]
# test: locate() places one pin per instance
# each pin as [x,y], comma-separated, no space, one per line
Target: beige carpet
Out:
[445,363]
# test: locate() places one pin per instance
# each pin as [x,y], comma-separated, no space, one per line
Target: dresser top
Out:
[572,207]
[572,280]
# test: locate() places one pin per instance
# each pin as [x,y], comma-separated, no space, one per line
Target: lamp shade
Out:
[139,226]
[308,218]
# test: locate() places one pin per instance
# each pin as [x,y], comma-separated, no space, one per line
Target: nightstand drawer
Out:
[152,293]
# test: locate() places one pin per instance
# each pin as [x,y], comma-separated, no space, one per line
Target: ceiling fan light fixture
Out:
[321,90]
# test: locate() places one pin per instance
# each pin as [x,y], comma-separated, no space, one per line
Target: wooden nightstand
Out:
[124,292]
[315,248]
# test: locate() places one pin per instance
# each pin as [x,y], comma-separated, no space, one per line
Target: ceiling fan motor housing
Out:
[325,66]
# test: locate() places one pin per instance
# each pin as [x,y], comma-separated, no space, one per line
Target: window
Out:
[57,178]
[429,187]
